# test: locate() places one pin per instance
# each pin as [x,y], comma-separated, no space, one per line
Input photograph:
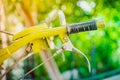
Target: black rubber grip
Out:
[80,27]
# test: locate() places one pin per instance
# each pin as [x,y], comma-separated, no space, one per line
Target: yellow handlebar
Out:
[39,33]
[23,40]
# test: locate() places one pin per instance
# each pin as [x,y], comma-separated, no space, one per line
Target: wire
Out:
[13,65]
[22,57]
[56,53]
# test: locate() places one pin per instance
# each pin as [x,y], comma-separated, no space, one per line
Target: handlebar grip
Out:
[85,26]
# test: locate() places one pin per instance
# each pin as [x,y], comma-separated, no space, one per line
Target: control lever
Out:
[69,46]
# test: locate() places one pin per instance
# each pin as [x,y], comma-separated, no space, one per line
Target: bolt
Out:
[65,38]
[64,47]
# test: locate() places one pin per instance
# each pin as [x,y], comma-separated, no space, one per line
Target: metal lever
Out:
[68,46]
[80,52]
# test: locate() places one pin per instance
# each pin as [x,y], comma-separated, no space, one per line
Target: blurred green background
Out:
[102,47]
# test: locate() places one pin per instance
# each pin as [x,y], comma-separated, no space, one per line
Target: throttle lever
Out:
[69,46]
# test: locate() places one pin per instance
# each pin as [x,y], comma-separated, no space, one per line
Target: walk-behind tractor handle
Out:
[39,37]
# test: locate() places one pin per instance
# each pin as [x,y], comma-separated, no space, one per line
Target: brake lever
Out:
[69,47]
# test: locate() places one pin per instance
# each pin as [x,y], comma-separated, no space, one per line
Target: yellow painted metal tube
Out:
[29,31]
[8,51]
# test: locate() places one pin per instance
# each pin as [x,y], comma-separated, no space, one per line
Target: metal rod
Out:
[5,32]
